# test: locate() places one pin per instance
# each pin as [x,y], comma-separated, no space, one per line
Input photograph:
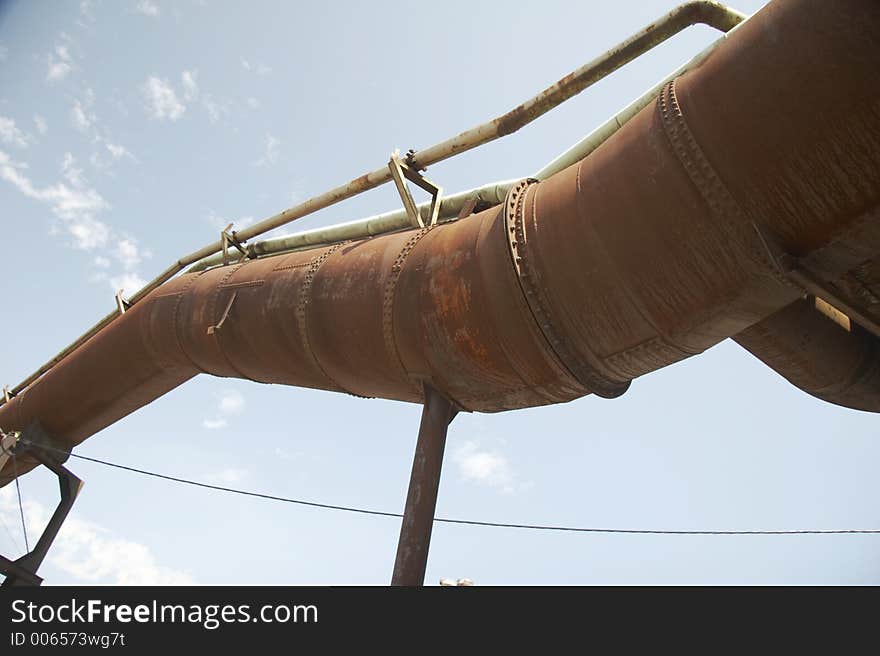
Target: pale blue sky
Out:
[131,132]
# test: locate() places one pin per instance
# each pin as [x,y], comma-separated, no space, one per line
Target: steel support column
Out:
[421,499]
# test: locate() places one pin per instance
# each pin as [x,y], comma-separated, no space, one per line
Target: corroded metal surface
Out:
[819,356]
[690,13]
[638,256]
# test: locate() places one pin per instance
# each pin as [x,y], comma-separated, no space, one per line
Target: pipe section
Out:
[708,12]
[817,355]
[640,255]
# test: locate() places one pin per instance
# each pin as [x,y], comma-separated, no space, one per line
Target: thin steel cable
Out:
[466,522]
[20,506]
[12,537]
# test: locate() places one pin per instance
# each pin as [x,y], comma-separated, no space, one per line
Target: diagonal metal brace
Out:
[401,172]
[227,238]
[23,571]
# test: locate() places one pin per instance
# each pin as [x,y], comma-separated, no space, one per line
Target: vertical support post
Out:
[421,499]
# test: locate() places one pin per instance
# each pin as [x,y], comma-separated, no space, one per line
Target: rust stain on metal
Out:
[636,257]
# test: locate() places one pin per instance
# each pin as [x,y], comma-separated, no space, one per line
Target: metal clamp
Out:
[791,267]
[401,172]
[227,238]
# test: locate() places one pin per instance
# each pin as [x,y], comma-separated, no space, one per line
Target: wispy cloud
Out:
[227,476]
[219,222]
[10,134]
[485,467]
[60,63]
[229,404]
[270,151]
[190,85]
[40,124]
[117,151]
[260,69]
[148,8]
[77,205]
[165,102]
[216,110]
[162,102]
[82,116]
[90,553]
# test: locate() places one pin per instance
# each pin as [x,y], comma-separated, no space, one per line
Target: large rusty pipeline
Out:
[644,253]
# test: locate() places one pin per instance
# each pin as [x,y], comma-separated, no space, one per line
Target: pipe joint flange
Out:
[583,372]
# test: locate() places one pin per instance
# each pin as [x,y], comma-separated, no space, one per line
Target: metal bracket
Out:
[401,172]
[121,304]
[23,571]
[790,266]
[6,394]
[7,444]
[227,238]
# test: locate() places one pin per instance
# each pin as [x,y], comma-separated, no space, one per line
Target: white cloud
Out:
[10,134]
[270,151]
[147,8]
[220,222]
[71,172]
[163,101]
[260,69]
[216,110]
[128,253]
[127,282]
[76,204]
[40,123]
[80,117]
[190,86]
[60,64]
[230,404]
[118,151]
[89,233]
[485,467]
[253,103]
[90,553]
[227,476]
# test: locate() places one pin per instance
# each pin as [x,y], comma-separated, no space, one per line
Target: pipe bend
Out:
[711,13]
[818,356]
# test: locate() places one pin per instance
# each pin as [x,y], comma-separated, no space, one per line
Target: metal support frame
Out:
[121,304]
[421,499]
[227,238]
[401,172]
[790,267]
[23,571]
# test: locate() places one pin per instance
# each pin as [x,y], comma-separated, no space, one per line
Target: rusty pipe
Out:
[640,255]
[707,12]
[818,355]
